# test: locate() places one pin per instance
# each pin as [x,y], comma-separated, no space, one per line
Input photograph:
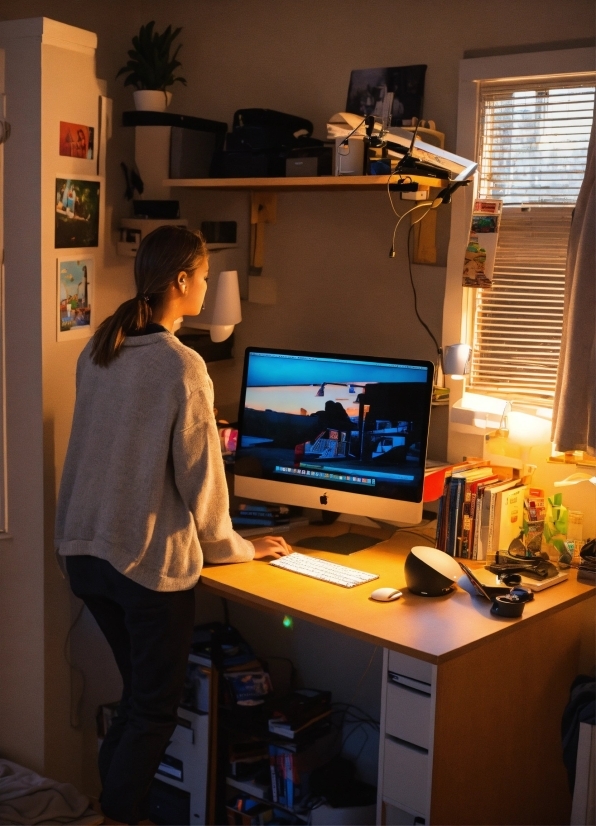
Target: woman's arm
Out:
[200,479]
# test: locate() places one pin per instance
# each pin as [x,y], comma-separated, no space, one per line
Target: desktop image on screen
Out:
[335,432]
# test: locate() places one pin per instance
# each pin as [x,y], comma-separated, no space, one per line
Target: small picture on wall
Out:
[77,213]
[76,280]
[76,140]
[394,94]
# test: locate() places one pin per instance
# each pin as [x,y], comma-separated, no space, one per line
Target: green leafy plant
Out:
[150,65]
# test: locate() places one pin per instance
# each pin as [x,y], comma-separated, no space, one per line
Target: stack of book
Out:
[257,517]
[292,763]
[303,741]
[300,714]
[480,512]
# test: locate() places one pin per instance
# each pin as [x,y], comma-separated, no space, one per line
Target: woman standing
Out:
[143,502]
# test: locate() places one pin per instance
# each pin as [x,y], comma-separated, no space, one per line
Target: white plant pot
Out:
[151,100]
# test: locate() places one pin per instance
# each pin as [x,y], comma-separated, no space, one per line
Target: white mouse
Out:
[386,594]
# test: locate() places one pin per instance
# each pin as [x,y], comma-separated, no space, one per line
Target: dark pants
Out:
[149,633]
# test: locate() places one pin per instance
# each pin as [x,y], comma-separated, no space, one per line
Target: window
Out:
[532,145]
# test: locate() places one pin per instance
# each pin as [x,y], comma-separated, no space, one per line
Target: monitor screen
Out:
[343,433]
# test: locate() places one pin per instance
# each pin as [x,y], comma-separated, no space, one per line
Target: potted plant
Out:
[150,68]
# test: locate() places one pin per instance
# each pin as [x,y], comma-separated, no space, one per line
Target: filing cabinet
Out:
[405,747]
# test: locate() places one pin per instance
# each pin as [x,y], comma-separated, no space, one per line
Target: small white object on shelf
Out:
[133,230]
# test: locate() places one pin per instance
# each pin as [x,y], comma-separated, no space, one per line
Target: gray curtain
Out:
[574,414]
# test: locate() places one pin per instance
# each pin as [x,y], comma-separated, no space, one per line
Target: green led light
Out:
[288,622]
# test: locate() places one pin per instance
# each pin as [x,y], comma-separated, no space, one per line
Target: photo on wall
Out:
[76,140]
[76,280]
[77,213]
[393,94]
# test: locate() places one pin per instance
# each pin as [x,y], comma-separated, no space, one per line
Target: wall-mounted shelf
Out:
[326,183]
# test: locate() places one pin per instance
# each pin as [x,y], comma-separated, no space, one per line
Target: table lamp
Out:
[456,360]
[221,311]
[526,431]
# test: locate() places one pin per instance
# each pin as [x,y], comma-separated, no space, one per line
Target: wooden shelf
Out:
[326,183]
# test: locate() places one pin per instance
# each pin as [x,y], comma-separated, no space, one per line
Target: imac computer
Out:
[345,434]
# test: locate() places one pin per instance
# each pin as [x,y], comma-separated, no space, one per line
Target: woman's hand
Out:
[274,546]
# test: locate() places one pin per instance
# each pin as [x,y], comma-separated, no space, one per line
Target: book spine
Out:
[272,766]
[477,522]
[469,536]
[441,516]
[456,517]
[281,780]
[259,520]
[449,516]
[491,523]
[288,769]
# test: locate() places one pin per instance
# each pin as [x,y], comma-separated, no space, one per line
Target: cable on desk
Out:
[416,533]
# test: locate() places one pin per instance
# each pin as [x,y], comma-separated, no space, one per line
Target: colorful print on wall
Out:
[76,279]
[77,213]
[76,140]
[479,258]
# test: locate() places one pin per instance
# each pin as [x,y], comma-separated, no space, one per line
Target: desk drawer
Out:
[410,667]
[408,714]
[405,774]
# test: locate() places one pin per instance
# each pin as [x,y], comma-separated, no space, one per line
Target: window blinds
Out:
[533,141]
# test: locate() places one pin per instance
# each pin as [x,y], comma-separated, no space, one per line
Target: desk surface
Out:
[433,629]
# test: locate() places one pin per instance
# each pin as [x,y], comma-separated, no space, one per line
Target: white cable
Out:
[428,204]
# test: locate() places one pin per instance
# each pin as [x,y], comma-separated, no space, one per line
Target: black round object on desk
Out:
[507,606]
[430,572]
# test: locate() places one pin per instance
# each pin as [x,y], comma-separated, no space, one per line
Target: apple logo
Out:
[323,499]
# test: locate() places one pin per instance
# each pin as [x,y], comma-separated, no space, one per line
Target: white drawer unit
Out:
[405,774]
[408,711]
[405,746]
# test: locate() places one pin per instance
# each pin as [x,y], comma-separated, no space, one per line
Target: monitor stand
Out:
[345,543]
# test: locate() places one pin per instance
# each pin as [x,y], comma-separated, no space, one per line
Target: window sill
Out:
[576,457]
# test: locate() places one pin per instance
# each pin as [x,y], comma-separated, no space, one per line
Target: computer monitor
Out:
[339,433]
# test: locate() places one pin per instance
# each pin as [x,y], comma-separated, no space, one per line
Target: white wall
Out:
[328,251]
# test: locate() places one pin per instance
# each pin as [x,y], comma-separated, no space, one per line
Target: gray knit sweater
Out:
[143,484]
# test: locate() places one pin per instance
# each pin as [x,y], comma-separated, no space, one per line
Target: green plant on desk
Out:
[556,524]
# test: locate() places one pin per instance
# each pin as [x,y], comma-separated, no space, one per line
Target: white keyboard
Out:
[320,569]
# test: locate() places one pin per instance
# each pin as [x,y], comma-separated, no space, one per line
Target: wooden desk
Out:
[481,744]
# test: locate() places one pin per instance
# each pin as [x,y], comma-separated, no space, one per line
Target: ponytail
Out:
[130,317]
[162,255]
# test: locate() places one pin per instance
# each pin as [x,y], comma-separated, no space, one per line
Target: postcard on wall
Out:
[77,140]
[77,213]
[393,94]
[76,282]
[479,258]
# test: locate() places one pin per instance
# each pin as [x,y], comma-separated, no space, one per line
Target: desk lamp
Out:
[455,360]
[526,431]
[221,311]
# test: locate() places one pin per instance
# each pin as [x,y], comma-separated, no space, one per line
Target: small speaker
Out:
[430,572]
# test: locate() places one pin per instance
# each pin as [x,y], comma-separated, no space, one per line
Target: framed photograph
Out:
[394,94]
[77,212]
[76,140]
[76,282]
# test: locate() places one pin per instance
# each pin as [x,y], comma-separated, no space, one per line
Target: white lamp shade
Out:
[222,308]
[527,430]
[456,360]
[226,311]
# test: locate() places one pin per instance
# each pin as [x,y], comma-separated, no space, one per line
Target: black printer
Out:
[264,143]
